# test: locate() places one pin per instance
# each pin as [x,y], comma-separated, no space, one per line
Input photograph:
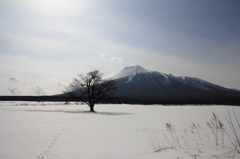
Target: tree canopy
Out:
[91,88]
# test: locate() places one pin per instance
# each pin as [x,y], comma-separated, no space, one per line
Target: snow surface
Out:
[55,131]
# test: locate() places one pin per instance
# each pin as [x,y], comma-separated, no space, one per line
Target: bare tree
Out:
[91,88]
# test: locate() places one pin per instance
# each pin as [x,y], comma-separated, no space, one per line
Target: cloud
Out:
[102,55]
[58,82]
[37,90]
[18,87]
[15,91]
[116,59]
[51,7]
[15,80]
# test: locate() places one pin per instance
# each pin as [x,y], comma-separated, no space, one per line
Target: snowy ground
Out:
[32,130]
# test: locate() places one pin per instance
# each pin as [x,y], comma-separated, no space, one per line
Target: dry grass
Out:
[235,131]
[215,126]
[195,130]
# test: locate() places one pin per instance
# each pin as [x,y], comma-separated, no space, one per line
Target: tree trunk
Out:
[92,108]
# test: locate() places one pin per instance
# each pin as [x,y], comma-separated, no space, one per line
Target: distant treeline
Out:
[116,100]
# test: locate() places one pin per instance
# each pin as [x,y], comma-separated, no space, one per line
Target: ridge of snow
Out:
[196,82]
[163,74]
[193,82]
[235,89]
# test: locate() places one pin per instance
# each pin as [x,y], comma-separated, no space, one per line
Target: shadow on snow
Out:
[82,112]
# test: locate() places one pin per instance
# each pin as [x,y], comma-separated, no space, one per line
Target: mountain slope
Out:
[137,83]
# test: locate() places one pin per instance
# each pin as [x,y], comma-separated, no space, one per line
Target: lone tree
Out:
[91,88]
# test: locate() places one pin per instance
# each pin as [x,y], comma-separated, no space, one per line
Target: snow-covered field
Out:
[31,130]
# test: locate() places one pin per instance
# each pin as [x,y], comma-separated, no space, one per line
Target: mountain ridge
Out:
[139,83]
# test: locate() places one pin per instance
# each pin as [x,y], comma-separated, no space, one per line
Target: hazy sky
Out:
[46,43]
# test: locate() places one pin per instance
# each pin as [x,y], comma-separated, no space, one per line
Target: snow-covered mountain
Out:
[139,83]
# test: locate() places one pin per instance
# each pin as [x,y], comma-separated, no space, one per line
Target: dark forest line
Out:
[116,100]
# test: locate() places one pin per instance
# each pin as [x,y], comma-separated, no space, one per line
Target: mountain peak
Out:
[136,69]
[128,71]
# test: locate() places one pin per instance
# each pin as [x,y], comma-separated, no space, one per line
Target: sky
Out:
[44,44]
